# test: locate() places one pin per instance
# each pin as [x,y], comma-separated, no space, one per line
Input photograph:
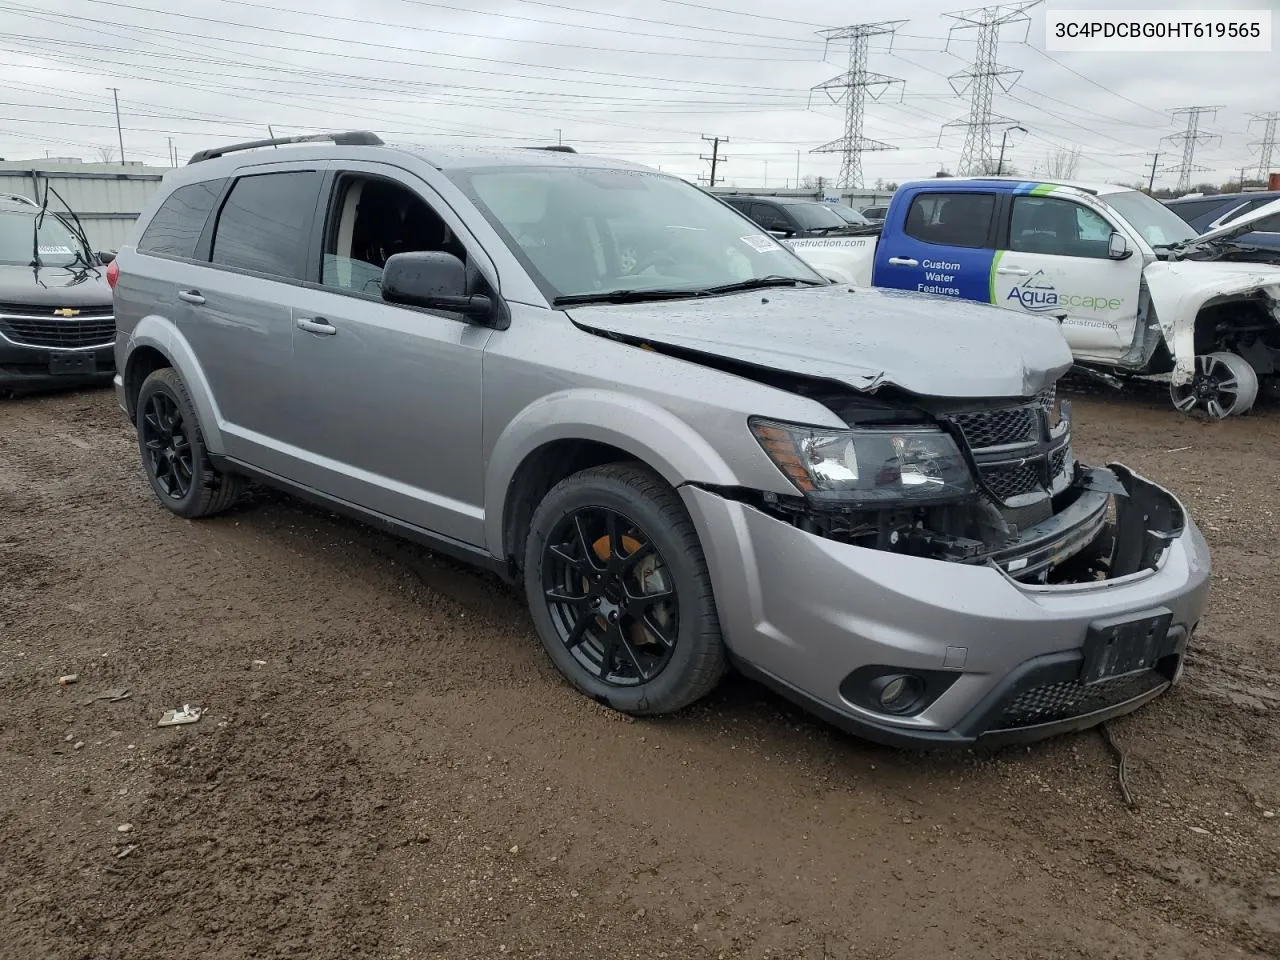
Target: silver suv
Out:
[688,448]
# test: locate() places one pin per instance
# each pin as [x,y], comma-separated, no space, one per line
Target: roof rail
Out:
[555,148]
[1057,183]
[350,138]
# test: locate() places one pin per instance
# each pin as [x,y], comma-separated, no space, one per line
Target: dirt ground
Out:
[390,768]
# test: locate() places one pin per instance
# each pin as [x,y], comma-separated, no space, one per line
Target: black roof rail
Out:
[350,138]
[555,148]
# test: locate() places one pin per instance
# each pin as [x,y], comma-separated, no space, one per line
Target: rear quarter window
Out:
[175,229]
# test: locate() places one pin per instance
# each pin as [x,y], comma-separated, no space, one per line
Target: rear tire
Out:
[619,591]
[173,453]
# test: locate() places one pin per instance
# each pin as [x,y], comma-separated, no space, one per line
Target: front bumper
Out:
[25,367]
[803,613]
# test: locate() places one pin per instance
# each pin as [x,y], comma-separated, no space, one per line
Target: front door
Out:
[389,398]
[1056,264]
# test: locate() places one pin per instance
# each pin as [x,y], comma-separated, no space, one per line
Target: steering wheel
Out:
[659,256]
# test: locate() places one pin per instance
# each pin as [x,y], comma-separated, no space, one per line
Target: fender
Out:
[160,334]
[1182,288]
[643,429]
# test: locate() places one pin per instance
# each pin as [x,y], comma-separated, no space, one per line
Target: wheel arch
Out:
[155,343]
[565,433]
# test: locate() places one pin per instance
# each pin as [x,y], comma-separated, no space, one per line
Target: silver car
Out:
[698,455]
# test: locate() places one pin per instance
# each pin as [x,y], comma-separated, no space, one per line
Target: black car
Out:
[875,214]
[792,217]
[1220,209]
[57,325]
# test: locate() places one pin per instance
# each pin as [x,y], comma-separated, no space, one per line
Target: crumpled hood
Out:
[54,286]
[863,338]
[1238,228]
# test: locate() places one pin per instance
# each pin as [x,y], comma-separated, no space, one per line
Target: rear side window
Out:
[264,224]
[175,229]
[951,219]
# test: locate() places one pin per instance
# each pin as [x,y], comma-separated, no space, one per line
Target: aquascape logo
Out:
[1037,294]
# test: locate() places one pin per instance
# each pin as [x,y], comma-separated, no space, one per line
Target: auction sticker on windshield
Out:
[761,243]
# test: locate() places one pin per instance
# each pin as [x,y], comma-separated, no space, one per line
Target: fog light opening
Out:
[898,693]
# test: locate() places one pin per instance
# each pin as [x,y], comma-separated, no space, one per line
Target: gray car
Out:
[699,455]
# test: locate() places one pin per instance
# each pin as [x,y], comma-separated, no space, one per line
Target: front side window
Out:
[770,217]
[951,219]
[28,239]
[175,229]
[370,220]
[580,231]
[1057,227]
[264,223]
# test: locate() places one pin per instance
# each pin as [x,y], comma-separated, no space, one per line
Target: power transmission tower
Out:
[1267,145]
[853,87]
[1189,137]
[979,81]
[715,159]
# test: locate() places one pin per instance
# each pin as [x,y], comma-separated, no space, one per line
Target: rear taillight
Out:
[113,274]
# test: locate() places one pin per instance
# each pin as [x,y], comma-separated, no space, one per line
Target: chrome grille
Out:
[50,310]
[67,334]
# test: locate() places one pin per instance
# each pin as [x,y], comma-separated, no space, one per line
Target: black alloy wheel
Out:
[168,448]
[611,596]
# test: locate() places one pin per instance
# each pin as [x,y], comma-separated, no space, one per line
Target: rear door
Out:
[1056,264]
[944,245]
[240,322]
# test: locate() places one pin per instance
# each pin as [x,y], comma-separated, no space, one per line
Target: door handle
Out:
[317,325]
[904,262]
[190,296]
[1013,271]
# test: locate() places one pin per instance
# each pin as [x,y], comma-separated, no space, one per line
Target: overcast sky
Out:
[637,81]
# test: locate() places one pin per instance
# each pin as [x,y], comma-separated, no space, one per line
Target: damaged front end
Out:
[978,483]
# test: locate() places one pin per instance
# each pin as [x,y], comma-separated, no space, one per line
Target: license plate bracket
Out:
[1119,646]
[72,364]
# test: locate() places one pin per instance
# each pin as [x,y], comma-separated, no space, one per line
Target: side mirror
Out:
[105,256]
[432,279]
[1118,247]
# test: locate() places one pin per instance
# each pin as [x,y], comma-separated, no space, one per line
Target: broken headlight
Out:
[877,466]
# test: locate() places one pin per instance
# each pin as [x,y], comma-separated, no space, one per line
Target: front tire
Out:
[1223,385]
[173,453]
[619,591]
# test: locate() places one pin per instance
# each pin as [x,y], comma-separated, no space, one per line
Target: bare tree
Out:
[106,154]
[1063,163]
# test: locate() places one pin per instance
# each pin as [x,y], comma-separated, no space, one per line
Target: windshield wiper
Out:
[624,296]
[758,283]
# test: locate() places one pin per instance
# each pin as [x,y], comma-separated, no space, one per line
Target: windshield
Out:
[816,216]
[583,231]
[850,215]
[1156,223]
[56,244]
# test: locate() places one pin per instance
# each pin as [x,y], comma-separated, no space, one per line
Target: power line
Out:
[1189,138]
[854,86]
[981,79]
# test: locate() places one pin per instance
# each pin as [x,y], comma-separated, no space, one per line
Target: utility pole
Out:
[797,168]
[1267,145]
[1189,137]
[1003,138]
[715,158]
[559,137]
[853,87]
[979,80]
[1151,180]
[115,95]
[172,161]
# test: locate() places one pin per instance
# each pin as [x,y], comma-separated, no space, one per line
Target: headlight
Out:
[872,465]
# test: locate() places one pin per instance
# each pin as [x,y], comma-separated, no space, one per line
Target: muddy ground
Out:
[390,768]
